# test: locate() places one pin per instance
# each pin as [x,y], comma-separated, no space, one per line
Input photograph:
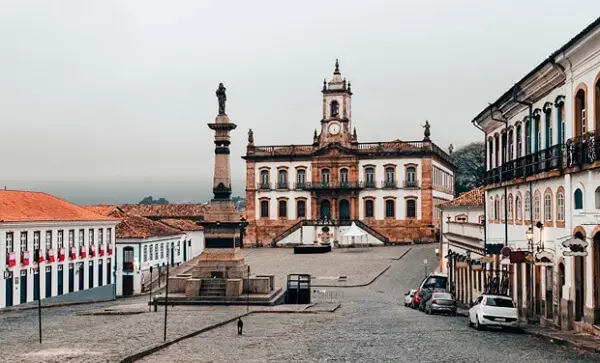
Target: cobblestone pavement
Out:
[372,325]
[360,266]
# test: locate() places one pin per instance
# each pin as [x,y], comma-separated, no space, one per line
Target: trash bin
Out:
[298,289]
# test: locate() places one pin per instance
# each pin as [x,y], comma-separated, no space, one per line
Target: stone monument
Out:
[223,228]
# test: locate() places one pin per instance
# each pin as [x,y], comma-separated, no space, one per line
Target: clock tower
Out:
[337,97]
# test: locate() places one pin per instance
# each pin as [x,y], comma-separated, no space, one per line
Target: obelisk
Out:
[221,256]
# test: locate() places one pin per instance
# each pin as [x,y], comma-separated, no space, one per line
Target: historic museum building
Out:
[388,188]
[543,185]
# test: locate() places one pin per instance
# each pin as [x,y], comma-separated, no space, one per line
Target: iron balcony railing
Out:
[411,184]
[263,186]
[389,184]
[583,149]
[528,165]
[283,186]
[333,185]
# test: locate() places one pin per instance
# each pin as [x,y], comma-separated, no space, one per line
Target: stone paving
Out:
[372,325]
[360,266]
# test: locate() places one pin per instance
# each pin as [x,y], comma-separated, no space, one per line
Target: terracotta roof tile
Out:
[134,226]
[104,209]
[28,206]
[474,198]
[182,224]
[166,210]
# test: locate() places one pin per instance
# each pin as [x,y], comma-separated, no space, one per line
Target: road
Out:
[371,326]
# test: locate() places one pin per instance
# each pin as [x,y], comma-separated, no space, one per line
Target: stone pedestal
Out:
[225,263]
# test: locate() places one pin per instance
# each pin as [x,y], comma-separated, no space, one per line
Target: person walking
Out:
[240,326]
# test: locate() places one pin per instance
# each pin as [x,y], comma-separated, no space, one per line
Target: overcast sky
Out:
[107,101]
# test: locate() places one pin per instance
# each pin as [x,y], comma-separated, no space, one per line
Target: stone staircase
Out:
[212,287]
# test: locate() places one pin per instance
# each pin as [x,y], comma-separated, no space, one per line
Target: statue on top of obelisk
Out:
[222,97]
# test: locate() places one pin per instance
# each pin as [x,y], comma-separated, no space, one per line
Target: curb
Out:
[561,341]
[374,278]
[147,352]
[53,305]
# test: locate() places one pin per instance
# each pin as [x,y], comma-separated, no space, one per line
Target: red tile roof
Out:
[104,209]
[182,224]
[472,198]
[28,206]
[166,210]
[133,226]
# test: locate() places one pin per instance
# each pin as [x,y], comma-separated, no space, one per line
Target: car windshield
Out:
[442,296]
[499,302]
[435,282]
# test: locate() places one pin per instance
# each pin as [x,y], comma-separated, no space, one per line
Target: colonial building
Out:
[54,250]
[388,188]
[543,184]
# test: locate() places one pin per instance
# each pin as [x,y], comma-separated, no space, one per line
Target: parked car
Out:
[409,296]
[436,281]
[416,300]
[441,302]
[425,297]
[493,310]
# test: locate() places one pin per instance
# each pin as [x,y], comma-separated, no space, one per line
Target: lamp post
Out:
[529,236]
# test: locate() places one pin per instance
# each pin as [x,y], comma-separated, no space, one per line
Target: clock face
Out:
[334,128]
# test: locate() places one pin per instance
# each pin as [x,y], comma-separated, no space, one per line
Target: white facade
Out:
[19,280]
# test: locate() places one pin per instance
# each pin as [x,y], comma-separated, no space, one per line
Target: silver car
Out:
[441,302]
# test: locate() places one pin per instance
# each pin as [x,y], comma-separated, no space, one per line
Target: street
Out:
[372,325]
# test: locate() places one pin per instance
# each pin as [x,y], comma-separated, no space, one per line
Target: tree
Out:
[470,166]
[150,200]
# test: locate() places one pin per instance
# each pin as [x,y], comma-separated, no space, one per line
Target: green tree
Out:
[470,163]
[150,200]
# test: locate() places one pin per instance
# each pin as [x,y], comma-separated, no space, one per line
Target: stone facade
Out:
[388,186]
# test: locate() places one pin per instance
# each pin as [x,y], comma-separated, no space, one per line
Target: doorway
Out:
[561,283]
[23,284]
[81,277]
[538,290]
[127,285]
[344,209]
[48,281]
[325,209]
[9,289]
[579,282]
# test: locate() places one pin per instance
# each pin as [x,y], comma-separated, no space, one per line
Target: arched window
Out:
[282,182]
[548,128]
[597,195]
[491,153]
[528,136]
[527,203]
[504,144]
[538,133]
[502,215]
[519,141]
[301,178]
[282,210]
[580,113]
[578,196]
[497,208]
[548,207]
[536,206]
[411,176]
[597,105]
[511,144]
[389,177]
[370,177]
[264,209]
[497,150]
[325,176]
[300,209]
[510,207]
[518,207]
[560,109]
[344,176]
[411,208]
[264,178]
[390,208]
[369,208]
[491,214]
[334,108]
[560,206]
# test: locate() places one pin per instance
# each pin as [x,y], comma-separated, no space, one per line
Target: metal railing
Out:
[411,184]
[584,149]
[528,165]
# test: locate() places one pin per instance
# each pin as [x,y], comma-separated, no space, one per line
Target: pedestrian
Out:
[240,325]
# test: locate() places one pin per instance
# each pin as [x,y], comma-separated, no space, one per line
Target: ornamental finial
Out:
[337,66]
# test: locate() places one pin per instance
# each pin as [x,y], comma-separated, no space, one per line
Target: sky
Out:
[107,101]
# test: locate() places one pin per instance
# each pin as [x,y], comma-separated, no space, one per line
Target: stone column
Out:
[222,171]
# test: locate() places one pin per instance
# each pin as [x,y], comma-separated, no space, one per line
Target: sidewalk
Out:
[581,341]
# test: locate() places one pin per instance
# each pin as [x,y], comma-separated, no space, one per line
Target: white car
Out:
[493,310]
[409,296]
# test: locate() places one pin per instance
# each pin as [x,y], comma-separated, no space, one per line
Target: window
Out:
[162,250]
[510,207]
[370,177]
[411,175]
[518,207]
[127,259]
[282,181]
[334,108]
[151,250]
[547,207]
[461,218]
[561,123]
[528,136]
[146,253]
[36,240]
[48,240]
[497,150]
[580,114]
[59,239]
[538,134]
[9,242]
[491,209]
[325,176]
[81,237]
[109,235]
[156,251]
[389,177]
[497,208]
[282,210]
[369,208]
[549,128]
[100,235]
[178,248]
[23,241]
[597,196]
[503,157]
[502,215]
[91,233]
[264,178]
[264,209]
[344,176]
[390,208]
[510,144]
[536,207]
[527,201]
[301,177]
[499,301]
[71,238]
[560,206]
[578,196]
[519,142]
[491,153]
[300,209]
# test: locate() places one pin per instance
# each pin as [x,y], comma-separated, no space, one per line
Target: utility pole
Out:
[37,259]
[149,304]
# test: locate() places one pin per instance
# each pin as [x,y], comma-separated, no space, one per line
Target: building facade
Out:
[543,184]
[72,247]
[389,188]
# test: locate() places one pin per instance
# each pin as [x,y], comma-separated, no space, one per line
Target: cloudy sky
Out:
[107,101]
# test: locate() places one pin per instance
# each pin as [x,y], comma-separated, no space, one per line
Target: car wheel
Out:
[427,311]
[470,324]
[477,325]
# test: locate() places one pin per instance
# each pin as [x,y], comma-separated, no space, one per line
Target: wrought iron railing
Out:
[411,184]
[389,184]
[528,165]
[333,185]
[583,149]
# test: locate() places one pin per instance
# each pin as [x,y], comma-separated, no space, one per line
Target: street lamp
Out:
[437,251]
[529,235]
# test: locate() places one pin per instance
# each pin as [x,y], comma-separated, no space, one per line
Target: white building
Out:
[543,159]
[75,248]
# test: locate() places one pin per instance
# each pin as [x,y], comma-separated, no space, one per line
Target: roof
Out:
[134,226]
[166,210]
[472,198]
[550,60]
[182,224]
[29,206]
[104,209]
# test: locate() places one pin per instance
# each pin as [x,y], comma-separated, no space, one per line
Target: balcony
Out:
[370,184]
[333,186]
[263,186]
[284,186]
[583,149]
[411,184]
[389,184]
[528,165]
[469,234]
